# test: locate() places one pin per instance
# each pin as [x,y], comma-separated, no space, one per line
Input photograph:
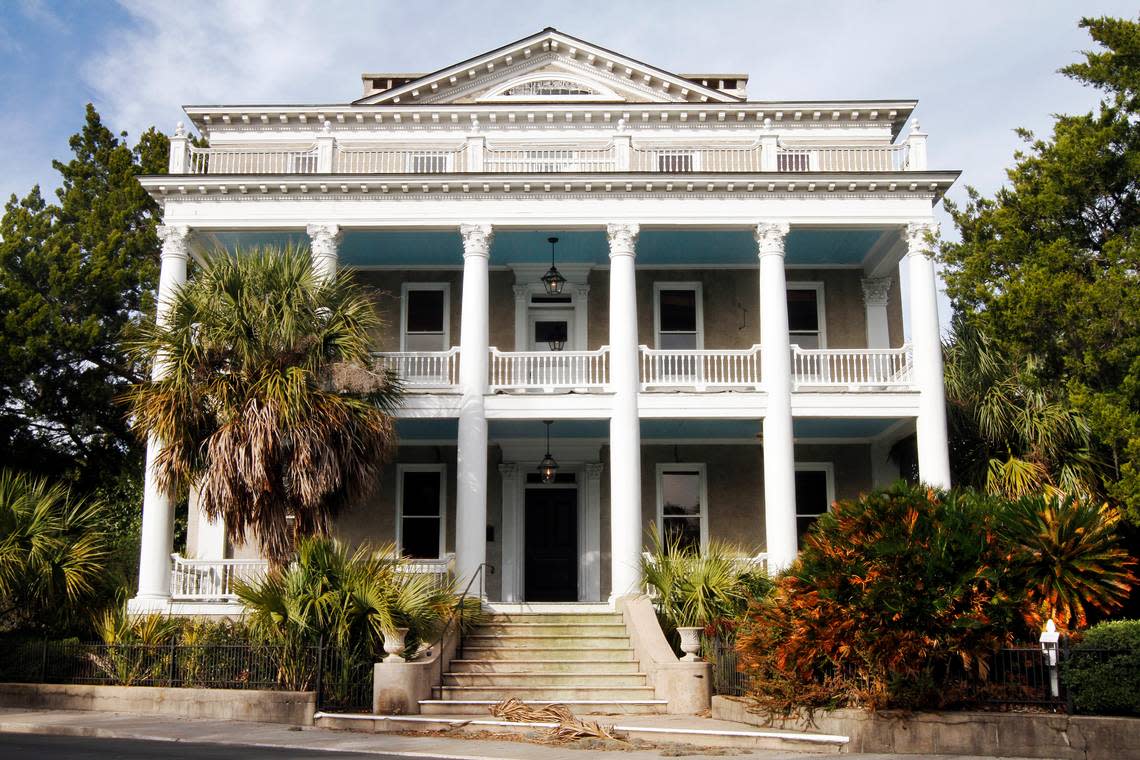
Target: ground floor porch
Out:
[701,481]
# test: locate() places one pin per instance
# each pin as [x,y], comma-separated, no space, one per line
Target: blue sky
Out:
[979,69]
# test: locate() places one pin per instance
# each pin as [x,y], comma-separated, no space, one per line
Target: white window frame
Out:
[405,288]
[828,468]
[701,469]
[820,307]
[696,287]
[442,470]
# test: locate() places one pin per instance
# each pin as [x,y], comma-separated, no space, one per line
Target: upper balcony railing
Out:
[618,155]
[661,370]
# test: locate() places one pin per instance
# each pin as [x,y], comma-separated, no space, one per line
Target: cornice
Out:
[783,114]
[927,184]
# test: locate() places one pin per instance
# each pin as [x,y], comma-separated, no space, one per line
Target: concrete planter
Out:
[394,644]
[690,643]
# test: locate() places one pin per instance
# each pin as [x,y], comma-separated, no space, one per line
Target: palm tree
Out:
[1010,434]
[53,552]
[268,404]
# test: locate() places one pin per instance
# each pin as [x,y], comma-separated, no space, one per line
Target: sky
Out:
[978,69]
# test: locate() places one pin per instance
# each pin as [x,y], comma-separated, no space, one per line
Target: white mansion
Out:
[720,352]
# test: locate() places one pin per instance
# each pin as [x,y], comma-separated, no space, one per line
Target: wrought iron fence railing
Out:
[1019,676]
[341,677]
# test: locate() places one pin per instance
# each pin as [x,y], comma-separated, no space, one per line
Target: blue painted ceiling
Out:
[652,431]
[805,247]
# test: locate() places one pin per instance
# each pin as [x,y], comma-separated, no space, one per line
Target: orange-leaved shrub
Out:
[901,598]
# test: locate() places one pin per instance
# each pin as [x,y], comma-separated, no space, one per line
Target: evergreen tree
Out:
[74,277]
[1049,268]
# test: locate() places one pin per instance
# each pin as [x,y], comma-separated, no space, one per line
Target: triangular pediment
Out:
[549,67]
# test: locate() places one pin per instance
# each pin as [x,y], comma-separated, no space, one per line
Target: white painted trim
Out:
[511,589]
[408,286]
[820,305]
[441,468]
[602,92]
[697,288]
[702,472]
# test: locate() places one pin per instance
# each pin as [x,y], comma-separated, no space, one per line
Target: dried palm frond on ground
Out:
[569,728]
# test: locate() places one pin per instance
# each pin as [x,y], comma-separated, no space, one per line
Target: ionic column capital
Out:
[324,233]
[876,290]
[622,238]
[920,237]
[476,239]
[175,240]
[522,292]
[769,236]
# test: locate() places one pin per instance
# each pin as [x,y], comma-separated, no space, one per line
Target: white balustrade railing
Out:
[717,368]
[852,367]
[211,579]
[251,161]
[438,570]
[679,160]
[422,369]
[401,160]
[549,158]
[548,370]
[843,158]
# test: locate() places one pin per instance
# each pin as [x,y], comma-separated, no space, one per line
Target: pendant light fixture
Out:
[548,468]
[553,279]
[557,339]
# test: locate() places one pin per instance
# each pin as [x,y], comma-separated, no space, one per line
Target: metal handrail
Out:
[457,613]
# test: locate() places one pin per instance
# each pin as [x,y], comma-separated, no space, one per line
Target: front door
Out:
[551,545]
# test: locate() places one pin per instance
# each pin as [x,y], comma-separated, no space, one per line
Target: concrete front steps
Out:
[583,660]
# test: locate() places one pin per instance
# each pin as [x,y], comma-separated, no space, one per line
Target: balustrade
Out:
[852,367]
[719,368]
[422,369]
[548,371]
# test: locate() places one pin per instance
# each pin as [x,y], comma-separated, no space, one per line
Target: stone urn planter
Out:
[690,642]
[394,644]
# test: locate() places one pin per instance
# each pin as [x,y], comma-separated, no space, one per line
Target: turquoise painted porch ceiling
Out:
[655,247]
[652,431]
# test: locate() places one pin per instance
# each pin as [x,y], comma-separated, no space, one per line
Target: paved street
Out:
[39,747]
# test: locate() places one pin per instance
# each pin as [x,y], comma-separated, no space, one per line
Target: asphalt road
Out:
[37,747]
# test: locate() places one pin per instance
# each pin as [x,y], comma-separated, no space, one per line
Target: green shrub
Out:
[1103,670]
[901,598]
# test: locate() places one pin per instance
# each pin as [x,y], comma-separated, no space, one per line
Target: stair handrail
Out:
[457,613]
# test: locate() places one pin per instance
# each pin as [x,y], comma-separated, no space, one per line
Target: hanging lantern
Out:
[553,279]
[548,468]
[557,338]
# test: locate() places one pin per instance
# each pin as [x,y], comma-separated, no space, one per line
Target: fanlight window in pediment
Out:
[550,86]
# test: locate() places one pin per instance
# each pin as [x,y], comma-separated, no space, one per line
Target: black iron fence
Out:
[342,678]
[1024,675]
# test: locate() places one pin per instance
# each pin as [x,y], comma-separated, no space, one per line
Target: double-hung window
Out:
[678,315]
[424,317]
[805,315]
[421,500]
[815,491]
[682,504]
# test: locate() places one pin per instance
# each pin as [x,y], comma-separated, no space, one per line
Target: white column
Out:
[581,317]
[926,341]
[209,535]
[157,540]
[876,292]
[512,535]
[776,373]
[625,431]
[471,488]
[522,304]
[324,240]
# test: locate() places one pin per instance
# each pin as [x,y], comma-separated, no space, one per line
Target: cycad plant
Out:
[134,651]
[693,587]
[268,404]
[346,598]
[1068,551]
[53,550]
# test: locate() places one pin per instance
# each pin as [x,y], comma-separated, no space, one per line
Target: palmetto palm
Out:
[1011,435]
[268,404]
[52,550]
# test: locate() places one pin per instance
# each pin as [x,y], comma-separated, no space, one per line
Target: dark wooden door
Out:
[551,545]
